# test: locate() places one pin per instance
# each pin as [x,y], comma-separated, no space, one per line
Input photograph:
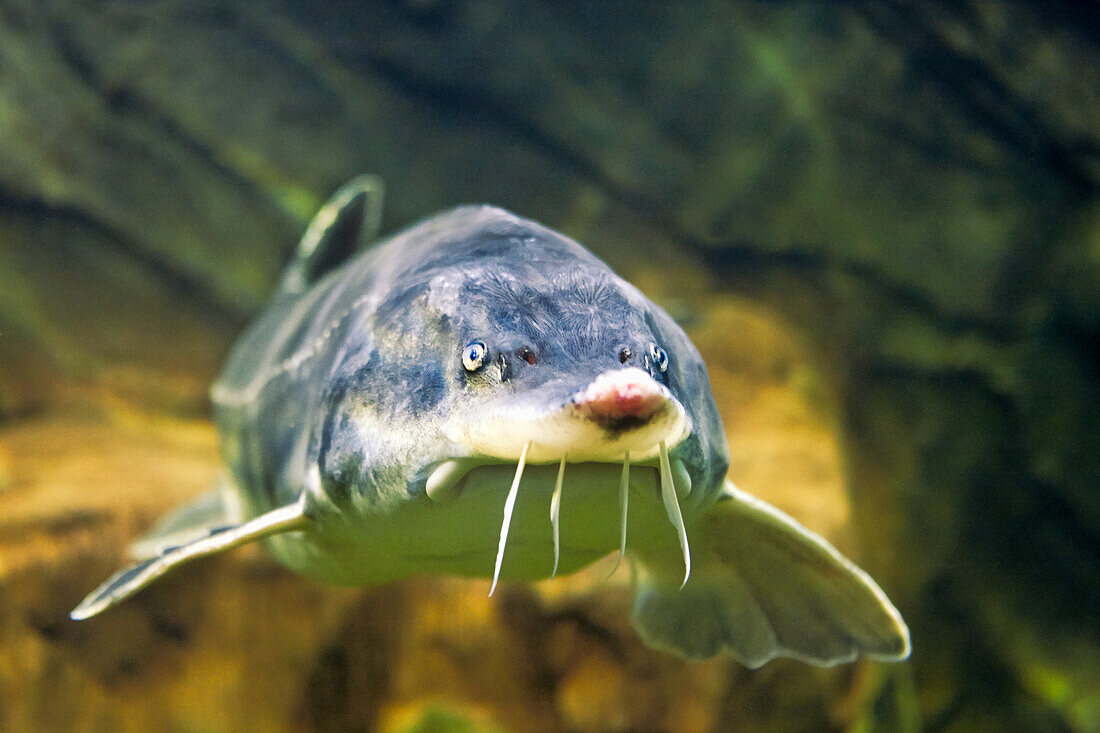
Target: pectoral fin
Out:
[215,509]
[763,587]
[130,580]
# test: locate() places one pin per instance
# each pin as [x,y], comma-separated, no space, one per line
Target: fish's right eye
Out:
[473,356]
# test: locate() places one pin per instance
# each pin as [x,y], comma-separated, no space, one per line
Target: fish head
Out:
[575,365]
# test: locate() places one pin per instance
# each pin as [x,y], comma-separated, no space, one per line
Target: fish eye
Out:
[658,356]
[625,354]
[473,356]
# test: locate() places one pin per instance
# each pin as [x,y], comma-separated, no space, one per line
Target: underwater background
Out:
[879,222]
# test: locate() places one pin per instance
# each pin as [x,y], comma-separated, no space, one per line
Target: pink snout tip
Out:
[629,394]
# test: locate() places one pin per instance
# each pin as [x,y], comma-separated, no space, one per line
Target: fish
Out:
[478,395]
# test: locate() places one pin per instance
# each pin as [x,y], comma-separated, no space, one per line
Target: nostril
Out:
[527,355]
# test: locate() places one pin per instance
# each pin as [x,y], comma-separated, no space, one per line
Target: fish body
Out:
[479,395]
[360,380]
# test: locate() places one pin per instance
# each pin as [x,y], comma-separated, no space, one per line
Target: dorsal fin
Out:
[345,224]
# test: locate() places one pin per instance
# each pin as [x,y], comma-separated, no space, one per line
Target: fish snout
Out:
[622,398]
[618,412]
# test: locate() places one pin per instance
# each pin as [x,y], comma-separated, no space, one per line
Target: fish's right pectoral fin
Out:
[764,586]
[130,580]
[192,521]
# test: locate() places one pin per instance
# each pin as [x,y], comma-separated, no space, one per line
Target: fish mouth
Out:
[621,417]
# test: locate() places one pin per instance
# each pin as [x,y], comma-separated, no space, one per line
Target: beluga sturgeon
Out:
[478,395]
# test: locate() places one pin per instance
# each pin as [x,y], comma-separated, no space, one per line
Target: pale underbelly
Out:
[461,536]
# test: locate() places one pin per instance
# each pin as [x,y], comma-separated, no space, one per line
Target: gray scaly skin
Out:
[479,395]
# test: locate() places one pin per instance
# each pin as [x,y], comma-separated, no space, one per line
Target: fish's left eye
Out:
[473,356]
[658,356]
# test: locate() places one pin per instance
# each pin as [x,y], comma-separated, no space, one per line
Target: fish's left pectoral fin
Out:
[764,586]
[130,580]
